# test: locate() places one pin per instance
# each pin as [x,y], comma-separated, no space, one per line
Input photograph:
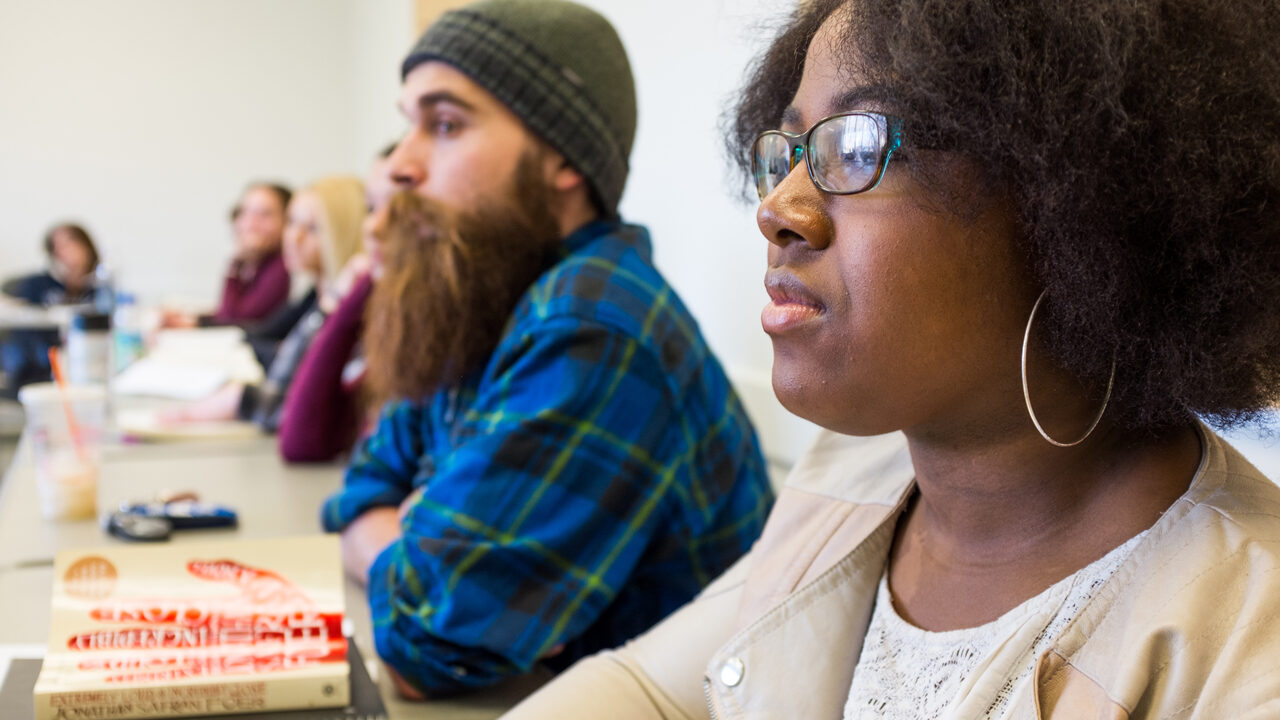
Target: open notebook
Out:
[144,424]
[190,364]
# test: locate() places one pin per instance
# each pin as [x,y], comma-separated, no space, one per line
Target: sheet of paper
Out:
[145,424]
[158,377]
[190,364]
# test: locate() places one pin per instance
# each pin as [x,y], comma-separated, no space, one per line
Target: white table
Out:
[272,499]
[15,315]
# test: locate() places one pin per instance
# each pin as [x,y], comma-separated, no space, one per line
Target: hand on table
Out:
[371,533]
[366,538]
[221,405]
[177,320]
[402,686]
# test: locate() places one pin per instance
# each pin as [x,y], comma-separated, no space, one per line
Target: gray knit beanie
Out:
[560,67]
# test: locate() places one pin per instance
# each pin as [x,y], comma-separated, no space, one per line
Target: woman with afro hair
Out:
[1016,251]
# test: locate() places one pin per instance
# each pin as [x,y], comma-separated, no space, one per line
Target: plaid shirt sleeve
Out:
[382,470]
[530,526]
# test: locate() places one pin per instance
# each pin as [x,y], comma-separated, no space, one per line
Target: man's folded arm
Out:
[535,521]
[378,479]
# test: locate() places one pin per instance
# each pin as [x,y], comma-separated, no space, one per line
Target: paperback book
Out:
[192,629]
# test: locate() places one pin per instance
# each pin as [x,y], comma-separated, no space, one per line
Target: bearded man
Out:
[560,461]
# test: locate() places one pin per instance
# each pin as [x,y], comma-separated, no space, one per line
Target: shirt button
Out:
[731,672]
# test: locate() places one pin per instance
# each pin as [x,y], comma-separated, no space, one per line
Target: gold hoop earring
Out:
[1026,392]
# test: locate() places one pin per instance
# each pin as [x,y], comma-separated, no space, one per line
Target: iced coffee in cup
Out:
[64,429]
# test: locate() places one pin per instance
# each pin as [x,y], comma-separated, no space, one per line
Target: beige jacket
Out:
[1188,626]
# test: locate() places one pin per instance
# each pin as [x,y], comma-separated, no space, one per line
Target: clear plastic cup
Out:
[66,463]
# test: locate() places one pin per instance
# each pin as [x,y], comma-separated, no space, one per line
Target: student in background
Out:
[325,407]
[561,460]
[322,239]
[257,281]
[72,259]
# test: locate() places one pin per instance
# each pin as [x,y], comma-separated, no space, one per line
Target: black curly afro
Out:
[1140,143]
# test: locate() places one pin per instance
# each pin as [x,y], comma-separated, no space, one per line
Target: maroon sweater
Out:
[321,413]
[255,298]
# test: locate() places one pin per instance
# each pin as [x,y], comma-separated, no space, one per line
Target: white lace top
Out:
[905,673]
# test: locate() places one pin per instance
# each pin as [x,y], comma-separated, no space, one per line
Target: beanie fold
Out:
[549,97]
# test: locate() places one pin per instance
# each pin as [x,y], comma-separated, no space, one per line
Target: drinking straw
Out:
[55,364]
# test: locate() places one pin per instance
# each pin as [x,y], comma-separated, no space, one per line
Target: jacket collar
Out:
[798,644]
[795,655]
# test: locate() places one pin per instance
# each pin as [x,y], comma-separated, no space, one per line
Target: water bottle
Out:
[127,327]
[88,349]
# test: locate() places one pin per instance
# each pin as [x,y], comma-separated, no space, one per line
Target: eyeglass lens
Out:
[843,152]
[772,161]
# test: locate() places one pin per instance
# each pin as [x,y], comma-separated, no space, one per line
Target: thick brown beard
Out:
[450,282]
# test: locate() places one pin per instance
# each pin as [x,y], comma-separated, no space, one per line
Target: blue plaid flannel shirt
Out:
[590,480]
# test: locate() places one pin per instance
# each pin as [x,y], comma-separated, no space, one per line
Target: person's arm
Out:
[256,299]
[265,336]
[529,529]
[225,403]
[656,676]
[319,419]
[366,537]
[232,289]
[380,477]
[279,323]
[33,289]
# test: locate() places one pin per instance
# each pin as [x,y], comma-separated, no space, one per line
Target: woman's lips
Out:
[791,303]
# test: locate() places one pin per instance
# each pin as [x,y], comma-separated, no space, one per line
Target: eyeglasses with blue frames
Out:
[845,154]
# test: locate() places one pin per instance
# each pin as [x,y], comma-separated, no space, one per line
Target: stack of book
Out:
[197,629]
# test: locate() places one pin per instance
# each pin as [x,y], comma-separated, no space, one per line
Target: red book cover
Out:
[195,629]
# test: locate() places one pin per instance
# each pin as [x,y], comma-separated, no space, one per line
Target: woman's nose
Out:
[795,212]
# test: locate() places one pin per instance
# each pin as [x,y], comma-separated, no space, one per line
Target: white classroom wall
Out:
[689,58]
[145,118]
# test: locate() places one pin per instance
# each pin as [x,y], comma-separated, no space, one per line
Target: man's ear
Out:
[561,175]
[568,179]
[571,201]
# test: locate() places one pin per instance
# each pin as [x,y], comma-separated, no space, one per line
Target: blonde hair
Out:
[342,209]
